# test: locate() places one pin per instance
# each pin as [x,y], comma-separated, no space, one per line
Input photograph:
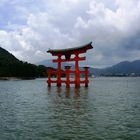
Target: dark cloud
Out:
[132,42]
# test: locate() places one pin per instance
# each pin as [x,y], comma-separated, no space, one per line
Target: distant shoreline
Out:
[32,78]
[17,78]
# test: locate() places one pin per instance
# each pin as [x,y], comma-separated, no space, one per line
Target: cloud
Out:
[34,27]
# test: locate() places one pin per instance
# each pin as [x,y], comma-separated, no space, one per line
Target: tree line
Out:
[10,66]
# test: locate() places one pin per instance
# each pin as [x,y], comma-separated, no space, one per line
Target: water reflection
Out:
[76,93]
[58,91]
[67,92]
[49,90]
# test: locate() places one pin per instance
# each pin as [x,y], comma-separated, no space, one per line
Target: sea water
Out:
[109,109]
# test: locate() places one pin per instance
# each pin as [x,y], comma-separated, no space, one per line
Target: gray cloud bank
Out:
[30,28]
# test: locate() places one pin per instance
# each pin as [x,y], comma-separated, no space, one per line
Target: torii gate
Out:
[68,53]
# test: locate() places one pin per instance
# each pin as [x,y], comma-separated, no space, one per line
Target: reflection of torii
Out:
[67,53]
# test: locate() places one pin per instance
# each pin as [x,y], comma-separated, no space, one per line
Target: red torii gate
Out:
[67,53]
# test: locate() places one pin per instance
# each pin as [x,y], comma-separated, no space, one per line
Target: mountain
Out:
[121,69]
[5,56]
[10,66]
[49,63]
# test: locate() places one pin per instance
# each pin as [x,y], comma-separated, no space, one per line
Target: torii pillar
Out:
[59,71]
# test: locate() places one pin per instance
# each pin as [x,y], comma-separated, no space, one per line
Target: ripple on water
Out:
[108,109]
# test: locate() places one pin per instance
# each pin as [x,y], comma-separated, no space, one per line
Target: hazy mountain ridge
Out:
[49,63]
[122,68]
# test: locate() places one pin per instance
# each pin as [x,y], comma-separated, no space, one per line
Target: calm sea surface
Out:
[109,109]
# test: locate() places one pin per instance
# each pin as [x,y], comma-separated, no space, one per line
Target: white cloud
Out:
[68,23]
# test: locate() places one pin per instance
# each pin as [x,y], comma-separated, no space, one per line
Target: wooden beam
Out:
[71,59]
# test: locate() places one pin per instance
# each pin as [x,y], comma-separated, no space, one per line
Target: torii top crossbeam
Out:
[67,53]
[81,49]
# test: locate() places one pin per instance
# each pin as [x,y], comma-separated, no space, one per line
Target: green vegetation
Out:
[10,66]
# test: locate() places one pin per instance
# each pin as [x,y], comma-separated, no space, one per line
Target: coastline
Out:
[17,78]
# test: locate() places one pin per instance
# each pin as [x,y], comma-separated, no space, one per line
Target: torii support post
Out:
[77,73]
[49,77]
[86,76]
[59,71]
[67,76]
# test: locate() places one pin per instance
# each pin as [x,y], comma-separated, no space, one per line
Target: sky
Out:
[28,28]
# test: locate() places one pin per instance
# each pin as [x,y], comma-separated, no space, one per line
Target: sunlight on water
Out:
[109,109]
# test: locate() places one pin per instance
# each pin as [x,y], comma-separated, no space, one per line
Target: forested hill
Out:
[6,57]
[10,66]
